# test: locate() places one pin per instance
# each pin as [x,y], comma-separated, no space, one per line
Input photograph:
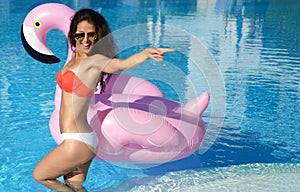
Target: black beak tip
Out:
[49,59]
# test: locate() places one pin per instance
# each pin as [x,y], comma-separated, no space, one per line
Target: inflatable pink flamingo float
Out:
[133,120]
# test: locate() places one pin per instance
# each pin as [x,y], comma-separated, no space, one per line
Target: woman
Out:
[78,79]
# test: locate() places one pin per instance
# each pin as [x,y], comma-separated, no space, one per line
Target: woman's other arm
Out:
[116,65]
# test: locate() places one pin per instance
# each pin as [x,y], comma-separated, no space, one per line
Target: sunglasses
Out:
[79,36]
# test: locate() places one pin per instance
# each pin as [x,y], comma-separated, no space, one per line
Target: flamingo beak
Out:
[36,48]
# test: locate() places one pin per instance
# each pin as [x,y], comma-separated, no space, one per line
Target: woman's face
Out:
[85,36]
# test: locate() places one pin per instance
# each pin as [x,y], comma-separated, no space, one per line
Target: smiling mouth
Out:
[86,45]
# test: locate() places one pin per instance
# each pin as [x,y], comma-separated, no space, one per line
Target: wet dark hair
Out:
[102,30]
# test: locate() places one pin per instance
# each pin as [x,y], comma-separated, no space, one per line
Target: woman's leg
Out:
[75,178]
[64,159]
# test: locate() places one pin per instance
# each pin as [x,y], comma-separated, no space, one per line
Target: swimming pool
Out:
[252,120]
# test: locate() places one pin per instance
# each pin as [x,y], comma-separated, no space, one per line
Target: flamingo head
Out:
[38,22]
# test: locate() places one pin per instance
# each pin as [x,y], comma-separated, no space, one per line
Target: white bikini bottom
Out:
[88,138]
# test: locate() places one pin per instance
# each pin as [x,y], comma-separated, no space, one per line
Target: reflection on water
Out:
[250,177]
[257,47]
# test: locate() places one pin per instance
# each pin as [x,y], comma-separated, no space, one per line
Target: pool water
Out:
[244,52]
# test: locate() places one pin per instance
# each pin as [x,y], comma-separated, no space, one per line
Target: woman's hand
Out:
[157,53]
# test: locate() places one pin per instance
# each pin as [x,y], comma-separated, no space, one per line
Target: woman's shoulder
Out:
[97,61]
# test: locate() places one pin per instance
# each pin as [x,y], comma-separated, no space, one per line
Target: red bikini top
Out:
[70,83]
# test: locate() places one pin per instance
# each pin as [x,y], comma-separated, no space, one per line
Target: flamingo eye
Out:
[37,24]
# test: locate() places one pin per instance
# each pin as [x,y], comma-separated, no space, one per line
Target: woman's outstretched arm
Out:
[117,65]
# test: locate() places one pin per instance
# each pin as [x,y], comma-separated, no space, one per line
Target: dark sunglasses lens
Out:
[79,36]
[92,36]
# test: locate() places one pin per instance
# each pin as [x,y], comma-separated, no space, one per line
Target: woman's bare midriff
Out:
[73,112]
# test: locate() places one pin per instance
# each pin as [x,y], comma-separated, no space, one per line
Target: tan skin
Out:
[72,158]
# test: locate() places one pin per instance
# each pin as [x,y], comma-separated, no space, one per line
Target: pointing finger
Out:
[163,50]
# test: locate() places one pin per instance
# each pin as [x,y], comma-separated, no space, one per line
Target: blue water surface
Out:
[253,75]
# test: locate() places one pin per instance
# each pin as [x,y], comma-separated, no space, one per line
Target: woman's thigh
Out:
[78,175]
[62,160]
